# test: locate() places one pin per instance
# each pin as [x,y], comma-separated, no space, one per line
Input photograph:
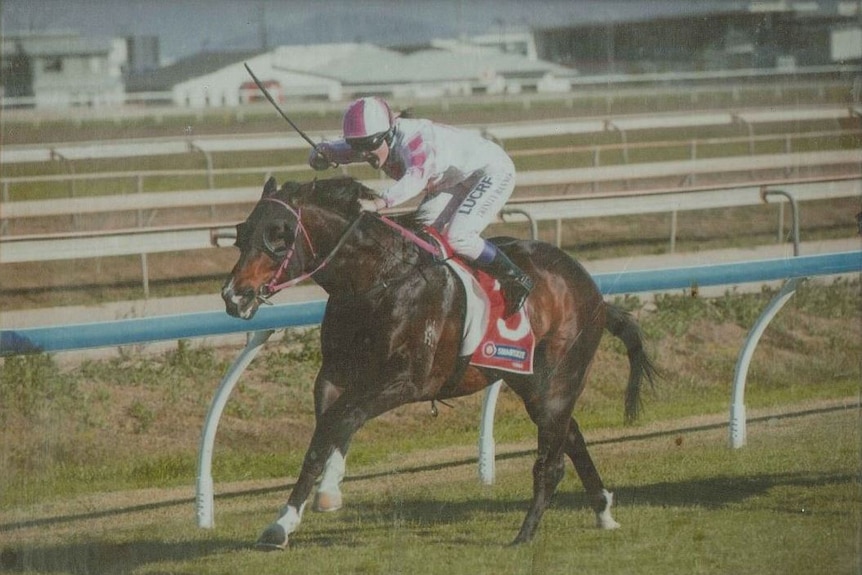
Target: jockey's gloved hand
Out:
[374,205]
[318,159]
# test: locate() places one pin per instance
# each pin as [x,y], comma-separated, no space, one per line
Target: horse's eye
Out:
[273,238]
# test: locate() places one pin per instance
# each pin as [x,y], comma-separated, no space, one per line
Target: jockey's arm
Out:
[331,154]
[413,183]
[409,186]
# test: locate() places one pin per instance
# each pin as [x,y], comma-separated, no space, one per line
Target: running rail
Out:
[202,324]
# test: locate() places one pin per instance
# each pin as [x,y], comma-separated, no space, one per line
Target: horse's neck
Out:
[367,259]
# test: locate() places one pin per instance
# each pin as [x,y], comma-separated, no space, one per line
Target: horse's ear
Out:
[270,187]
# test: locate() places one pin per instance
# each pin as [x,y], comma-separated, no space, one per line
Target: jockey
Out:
[466,180]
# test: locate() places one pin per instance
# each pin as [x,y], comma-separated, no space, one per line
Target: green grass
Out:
[781,505]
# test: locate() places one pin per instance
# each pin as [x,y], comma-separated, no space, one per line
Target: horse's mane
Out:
[342,195]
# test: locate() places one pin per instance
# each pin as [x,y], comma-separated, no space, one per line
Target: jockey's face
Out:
[379,156]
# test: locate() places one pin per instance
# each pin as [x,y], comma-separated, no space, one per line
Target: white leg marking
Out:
[328,497]
[290,518]
[603,517]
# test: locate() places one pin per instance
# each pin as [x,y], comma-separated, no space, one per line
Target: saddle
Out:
[490,339]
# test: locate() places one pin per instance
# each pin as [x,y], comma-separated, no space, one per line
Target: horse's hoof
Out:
[607,523]
[327,502]
[603,516]
[274,538]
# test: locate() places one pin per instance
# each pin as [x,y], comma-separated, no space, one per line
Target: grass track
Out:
[784,504]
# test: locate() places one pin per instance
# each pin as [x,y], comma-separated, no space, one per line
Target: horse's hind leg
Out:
[548,470]
[549,404]
[600,498]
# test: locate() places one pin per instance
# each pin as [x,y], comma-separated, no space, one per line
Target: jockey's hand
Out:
[318,159]
[374,205]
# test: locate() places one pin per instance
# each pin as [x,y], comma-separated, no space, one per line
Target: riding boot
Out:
[514,283]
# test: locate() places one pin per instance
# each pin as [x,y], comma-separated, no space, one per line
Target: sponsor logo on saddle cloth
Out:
[489,339]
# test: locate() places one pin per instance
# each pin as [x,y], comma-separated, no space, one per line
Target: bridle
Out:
[275,285]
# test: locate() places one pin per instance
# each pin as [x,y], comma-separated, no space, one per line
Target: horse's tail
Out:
[622,325]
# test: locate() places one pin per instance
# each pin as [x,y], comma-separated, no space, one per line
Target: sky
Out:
[186,27]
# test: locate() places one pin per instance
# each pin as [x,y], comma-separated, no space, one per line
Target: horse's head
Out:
[287,237]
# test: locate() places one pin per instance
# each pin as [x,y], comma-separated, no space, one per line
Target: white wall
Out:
[224,87]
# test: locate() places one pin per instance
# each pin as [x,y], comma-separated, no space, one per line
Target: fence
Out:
[46,247]
[169,239]
[501,132]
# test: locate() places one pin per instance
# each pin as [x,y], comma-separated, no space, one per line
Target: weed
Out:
[30,382]
[142,415]
[189,360]
[162,469]
[294,361]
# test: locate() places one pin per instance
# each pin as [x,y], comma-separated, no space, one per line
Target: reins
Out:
[273,286]
[411,236]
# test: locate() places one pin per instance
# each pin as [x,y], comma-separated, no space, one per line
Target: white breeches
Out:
[461,213]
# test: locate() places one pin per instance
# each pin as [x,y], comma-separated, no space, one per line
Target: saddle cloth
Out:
[489,339]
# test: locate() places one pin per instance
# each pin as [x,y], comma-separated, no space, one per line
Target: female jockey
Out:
[466,179]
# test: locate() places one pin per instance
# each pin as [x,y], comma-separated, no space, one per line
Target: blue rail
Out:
[157,328]
[192,325]
[729,274]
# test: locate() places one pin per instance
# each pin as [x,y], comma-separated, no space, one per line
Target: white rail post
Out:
[205,495]
[486,434]
[737,403]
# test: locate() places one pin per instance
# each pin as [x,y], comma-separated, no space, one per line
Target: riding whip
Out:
[273,102]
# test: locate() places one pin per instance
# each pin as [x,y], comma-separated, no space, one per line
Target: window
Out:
[53,64]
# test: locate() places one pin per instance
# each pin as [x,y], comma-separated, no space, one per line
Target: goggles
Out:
[368,143]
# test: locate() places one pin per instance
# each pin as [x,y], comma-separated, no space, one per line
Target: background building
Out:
[60,69]
[762,35]
[65,69]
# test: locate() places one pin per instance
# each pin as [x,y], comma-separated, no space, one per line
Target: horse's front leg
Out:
[328,496]
[275,537]
[334,427]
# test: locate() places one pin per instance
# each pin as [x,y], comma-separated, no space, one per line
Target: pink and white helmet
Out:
[367,122]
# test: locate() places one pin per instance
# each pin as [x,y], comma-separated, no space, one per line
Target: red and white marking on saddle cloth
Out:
[508,343]
[489,339]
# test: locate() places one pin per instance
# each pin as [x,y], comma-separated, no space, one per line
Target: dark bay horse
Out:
[392,331]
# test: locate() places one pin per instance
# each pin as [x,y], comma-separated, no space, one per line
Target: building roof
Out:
[55,43]
[165,78]
[354,64]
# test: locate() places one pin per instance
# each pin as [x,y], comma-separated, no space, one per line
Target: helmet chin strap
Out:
[373,158]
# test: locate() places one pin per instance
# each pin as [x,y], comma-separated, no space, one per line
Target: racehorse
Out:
[393,326]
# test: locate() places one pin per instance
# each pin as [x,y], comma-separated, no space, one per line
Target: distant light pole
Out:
[264,35]
[609,46]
